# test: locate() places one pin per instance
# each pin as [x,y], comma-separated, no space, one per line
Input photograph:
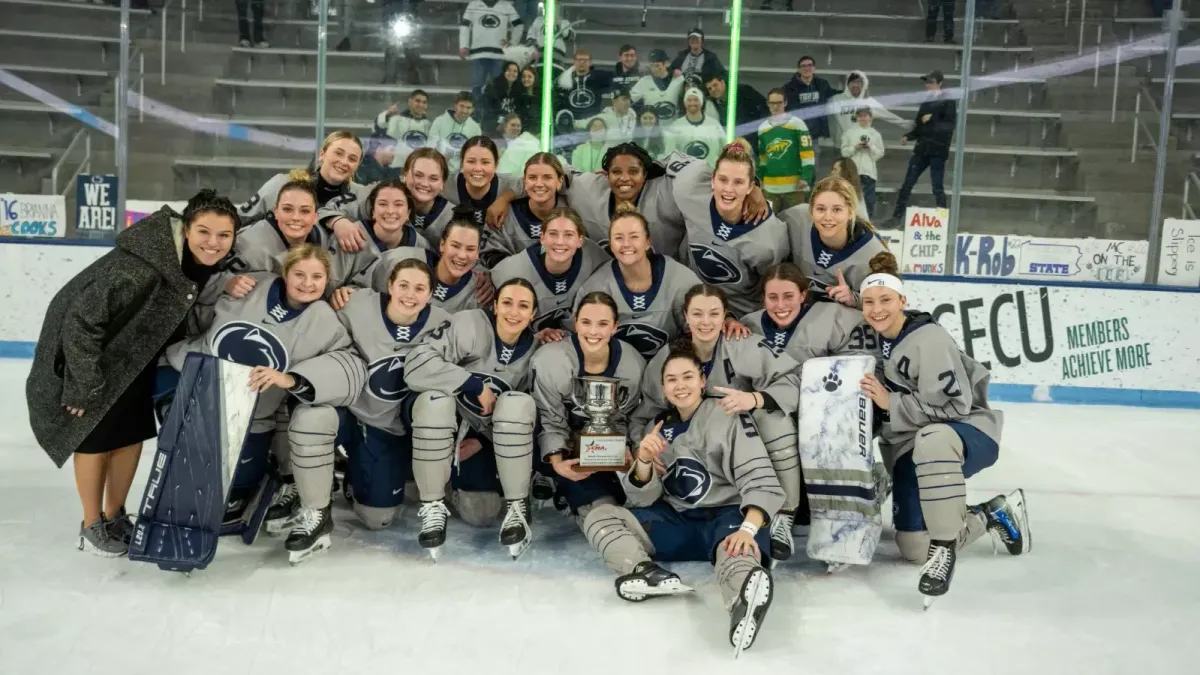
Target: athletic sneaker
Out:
[95,539]
[121,528]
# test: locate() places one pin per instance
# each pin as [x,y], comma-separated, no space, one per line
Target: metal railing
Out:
[85,164]
[139,80]
[1139,125]
[1191,179]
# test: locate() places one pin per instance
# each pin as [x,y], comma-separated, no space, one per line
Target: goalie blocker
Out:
[199,447]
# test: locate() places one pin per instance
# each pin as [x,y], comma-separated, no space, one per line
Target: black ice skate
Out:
[649,580]
[310,535]
[1008,522]
[938,570]
[749,609]
[782,543]
[515,532]
[542,487]
[285,508]
[433,527]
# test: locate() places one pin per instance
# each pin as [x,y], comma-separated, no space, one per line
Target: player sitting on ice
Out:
[937,431]
[701,488]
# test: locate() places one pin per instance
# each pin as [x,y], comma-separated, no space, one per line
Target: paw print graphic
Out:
[831,382]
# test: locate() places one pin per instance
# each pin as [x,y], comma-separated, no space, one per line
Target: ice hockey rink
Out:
[1109,587]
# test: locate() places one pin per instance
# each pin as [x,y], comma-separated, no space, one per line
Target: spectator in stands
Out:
[589,156]
[649,135]
[766,5]
[379,152]
[516,147]
[933,133]
[488,26]
[808,95]
[410,128]
[581,90]
[931,16]
[862,146]
[531,118]
[696,61]
[695,133]
[453,127]
[845,105]
[627,70]
[847,170]
[250,33]
[751,106]
[785,154]
[504,95]
[660,90]
[536,37]
[619,118]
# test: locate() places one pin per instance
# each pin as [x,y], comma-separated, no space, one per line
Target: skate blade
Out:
[517,550]
[756,595]
[834,568]
[434,552]
[298,557]
[636,590]
[280,526]
[1021,513]
[929,600]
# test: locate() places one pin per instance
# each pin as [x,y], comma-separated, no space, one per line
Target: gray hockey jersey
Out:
[521,229]
[262,330]
[733,256]
[590,195]
[431,225]
[352,267]
[931,381]
[261,248]
[555,294]
[384,347]
[712,460]
[453,298]
[555,367]
[331,201]
[464,355]
[749,364]
[820,263]
[823,328]
[650,319]
[455,191]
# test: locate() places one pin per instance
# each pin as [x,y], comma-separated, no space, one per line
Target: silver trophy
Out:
[601,445]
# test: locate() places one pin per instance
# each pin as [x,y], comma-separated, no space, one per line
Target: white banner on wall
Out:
[136,209]
[32,215]
[1070,336]
[924,247]
[1179,257]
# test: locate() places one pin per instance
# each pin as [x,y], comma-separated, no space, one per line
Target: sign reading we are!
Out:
[32,215]
[96,206]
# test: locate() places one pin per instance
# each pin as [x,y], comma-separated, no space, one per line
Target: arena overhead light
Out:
[401,28]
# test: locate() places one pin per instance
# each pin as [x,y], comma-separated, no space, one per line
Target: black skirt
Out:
[129,421]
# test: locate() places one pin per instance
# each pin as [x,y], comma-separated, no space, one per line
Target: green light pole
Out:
[735,48]
[549,17]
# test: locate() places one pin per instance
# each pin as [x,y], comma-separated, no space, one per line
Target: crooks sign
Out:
[32,215]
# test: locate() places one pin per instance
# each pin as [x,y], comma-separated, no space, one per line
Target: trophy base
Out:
[602,453]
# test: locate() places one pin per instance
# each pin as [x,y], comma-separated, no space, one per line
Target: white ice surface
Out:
[1110,586]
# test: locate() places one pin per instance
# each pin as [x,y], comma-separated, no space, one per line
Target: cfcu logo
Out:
[31,216]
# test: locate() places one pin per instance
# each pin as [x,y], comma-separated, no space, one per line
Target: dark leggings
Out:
[256,8]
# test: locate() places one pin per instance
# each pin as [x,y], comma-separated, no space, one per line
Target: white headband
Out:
[885,280]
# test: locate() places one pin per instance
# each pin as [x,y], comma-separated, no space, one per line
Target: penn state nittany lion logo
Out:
[496,384]
[688,480]
[644,338]
[665,110]
[697,149]
[456,140]
[385,379]
[581,98]
[556,319]
[250,345]
[714,267]
[415,139]
[489,21]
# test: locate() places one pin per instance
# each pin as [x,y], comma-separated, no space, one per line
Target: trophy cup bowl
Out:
[600,445]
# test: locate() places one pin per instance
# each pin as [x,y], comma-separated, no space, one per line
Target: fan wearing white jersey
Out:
[648,287]
[385,328]
[938,430]
[542,179]
[831,242]
[701,488]
[750,377]
[473,414]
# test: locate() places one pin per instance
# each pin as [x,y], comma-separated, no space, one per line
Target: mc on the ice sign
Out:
[96,206]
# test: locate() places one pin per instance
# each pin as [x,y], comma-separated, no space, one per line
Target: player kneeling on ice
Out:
[701,488]
[385,328]
[937,431]
[303,362]
[473,422]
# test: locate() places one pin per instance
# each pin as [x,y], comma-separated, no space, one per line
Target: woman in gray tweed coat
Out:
[91,386]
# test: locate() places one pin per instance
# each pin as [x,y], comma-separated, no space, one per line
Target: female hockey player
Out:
[710,500]
[648,287]
[725,248]
[937,431]
[425,173]
[297,347]
[522,228]
[332,181]
[477,187]
[292,222]
[590,350]
[557,267]
[457,285]
[91,384]
[385,327]
[831,242]
[472,413]
[751,378]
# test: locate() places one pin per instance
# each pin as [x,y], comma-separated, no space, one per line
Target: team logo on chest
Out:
[385,379]
[697,149]
[646,339]
[665,110]
[555,319]
[250,345]
[490,381]
[415,139]
[714,267]
[687,479]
